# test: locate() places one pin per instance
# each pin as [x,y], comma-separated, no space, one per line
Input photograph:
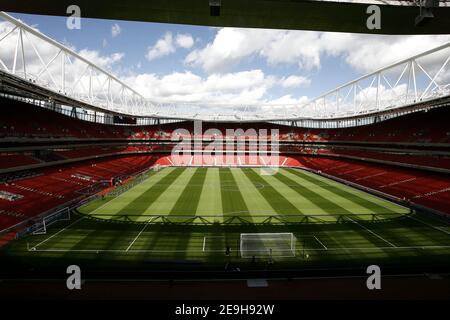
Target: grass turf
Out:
[180,216]
[224,192]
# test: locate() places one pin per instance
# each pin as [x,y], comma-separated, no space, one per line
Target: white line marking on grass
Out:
[107,202]
[204,242]
[384,248]
[324,246]
[429,225]
[375,234]
[196,251]
[122,251]
[139,234]
[377,248]
[55,234]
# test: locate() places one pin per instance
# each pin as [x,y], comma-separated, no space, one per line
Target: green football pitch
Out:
[177,217]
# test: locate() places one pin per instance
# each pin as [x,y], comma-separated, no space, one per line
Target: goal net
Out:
[40,227]
[267,245]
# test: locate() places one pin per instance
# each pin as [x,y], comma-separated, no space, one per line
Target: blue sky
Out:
[230,64]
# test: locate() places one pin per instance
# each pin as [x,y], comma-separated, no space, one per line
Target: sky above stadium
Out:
[166,62]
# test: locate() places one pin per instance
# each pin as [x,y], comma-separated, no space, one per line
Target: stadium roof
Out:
[340,16]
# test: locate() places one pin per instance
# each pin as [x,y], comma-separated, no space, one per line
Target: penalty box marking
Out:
[204,243]
[372,232]
[143,229]
[316,238]
[55,234]
[139,234]
[429,225]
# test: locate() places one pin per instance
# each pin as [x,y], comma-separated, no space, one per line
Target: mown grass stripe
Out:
[320,188]
[298,200]
[318,199]
[188,201]
[211,198]
[366,195]
[233,204]
[148,197]
[232,200]
[169,197]
[375,207]
[120,201]
[278,202]
[256,203]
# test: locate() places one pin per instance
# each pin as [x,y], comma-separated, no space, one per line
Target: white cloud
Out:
[184,41]
[306,49]
[288,100]
[102,61]
[162,47]
[367,53]
[294,82]
[167,45]
[246,87]
[229,47]
[115,30]
[219,93]
[285,105]
[293,47]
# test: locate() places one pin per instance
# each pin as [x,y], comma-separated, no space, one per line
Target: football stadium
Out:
[95,174]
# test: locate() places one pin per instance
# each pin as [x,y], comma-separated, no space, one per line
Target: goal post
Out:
[267,245]
[41,226]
